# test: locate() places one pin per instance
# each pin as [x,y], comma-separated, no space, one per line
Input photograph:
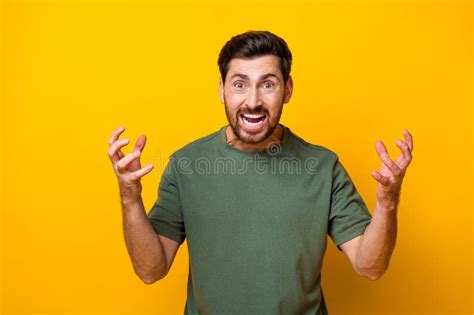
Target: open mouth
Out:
[253,122]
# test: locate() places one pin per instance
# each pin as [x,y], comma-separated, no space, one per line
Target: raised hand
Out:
[127,167]
[391,173]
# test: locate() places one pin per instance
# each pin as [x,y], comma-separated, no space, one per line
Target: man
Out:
[255,201]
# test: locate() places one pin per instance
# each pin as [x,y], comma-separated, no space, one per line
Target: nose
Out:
[253,99]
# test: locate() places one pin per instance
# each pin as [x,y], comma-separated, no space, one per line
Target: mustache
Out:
[253,112]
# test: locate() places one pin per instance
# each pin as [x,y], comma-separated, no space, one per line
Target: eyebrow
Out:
[262,77]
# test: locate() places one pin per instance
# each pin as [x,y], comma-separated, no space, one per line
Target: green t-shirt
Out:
[256,223]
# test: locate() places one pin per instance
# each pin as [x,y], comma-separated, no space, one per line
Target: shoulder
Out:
[199,147]
[179,160]
[298,144]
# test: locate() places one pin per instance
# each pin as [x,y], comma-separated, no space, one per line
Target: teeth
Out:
[248,123]
[253,116]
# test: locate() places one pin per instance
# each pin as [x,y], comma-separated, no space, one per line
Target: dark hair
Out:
[252,44]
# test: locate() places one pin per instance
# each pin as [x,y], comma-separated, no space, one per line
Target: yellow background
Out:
[74,71]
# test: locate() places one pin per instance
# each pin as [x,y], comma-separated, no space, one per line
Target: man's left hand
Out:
[390,175]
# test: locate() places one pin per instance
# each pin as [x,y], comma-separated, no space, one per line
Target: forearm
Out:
[144,247]
[377,243]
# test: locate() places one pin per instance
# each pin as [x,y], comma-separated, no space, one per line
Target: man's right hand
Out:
[127,167]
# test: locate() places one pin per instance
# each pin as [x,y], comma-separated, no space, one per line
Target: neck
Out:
[232,140]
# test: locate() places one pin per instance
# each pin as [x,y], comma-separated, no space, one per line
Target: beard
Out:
[248,137]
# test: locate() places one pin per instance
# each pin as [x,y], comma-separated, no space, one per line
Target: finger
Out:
[408,139]
[406,153]
[116,134]
[143,171]
[380,147]
[140,144]
[123,163]
[391,165]
[381,179]
[117,145]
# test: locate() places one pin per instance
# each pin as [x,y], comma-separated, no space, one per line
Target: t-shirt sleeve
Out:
[166,215]
[349,216]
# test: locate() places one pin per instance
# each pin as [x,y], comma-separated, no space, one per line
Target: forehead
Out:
[255,67]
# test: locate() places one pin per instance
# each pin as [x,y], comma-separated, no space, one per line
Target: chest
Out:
[252,205]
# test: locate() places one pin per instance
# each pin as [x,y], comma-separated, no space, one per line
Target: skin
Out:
[253,91]
[254,86]
[370,252]
[151,254]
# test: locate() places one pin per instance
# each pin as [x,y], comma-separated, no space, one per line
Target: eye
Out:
[238,85]
[268,84]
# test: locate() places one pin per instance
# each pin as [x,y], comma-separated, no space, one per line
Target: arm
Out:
[370,253]
[151,254]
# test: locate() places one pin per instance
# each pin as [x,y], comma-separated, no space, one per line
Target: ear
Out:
[288,90]
[221,90]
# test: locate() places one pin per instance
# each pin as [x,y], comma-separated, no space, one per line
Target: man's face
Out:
[254,94]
